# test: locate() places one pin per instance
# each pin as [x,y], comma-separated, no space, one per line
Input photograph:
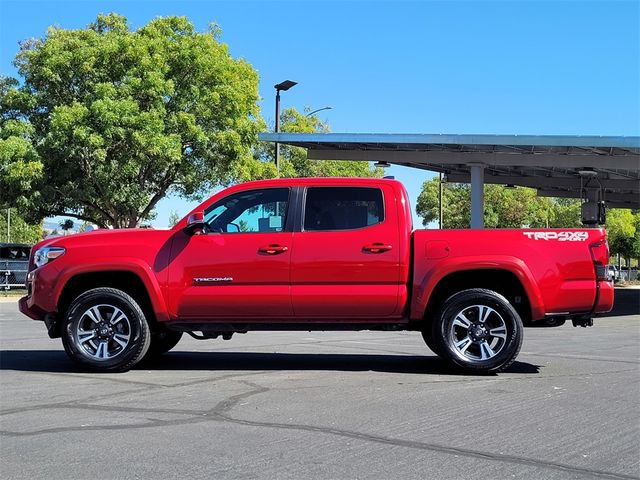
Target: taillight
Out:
[600,256]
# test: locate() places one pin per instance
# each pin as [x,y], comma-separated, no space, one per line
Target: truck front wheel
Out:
[105,330]
[478,331]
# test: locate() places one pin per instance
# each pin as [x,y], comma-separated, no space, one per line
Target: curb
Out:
[9,299]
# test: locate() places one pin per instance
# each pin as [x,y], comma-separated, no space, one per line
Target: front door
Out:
[239,266]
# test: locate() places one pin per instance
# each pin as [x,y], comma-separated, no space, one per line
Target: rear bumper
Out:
[604,299]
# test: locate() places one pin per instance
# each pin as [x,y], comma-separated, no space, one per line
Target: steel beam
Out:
[543,181]
[477,195]
[624,162]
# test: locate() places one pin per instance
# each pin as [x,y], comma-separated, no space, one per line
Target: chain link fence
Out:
[13,274]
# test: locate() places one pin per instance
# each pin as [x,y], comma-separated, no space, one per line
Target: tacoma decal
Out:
[559,236]
[212,280]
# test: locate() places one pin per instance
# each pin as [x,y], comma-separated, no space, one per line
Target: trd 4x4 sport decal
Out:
[559,236]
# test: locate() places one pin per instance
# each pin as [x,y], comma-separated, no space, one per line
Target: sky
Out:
[452,67]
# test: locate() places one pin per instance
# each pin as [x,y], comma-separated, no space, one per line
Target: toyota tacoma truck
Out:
[313,254]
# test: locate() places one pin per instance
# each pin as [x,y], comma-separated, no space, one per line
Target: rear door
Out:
[345,259]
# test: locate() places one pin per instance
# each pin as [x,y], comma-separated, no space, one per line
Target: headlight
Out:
[46,254]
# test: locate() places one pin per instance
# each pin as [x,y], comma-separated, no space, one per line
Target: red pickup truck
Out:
[313,254]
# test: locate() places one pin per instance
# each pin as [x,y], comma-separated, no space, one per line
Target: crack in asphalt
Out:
[220,413]
[149,387]
[581,357]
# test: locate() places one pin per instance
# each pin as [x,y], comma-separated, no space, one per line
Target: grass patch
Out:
[13,293]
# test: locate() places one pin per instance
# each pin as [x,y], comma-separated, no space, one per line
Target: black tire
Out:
[492,339]
[428,339]
[162,340]
[105,346]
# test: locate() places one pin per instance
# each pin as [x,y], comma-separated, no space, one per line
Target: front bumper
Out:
[40,299]
[26,306]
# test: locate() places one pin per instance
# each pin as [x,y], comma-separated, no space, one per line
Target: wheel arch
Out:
[130,278]
[511,280]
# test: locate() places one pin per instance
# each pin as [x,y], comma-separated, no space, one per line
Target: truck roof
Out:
[306,181]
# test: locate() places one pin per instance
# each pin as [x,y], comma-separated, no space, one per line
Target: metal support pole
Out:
[277,145]
[440,203]
[477,195]
[8,225]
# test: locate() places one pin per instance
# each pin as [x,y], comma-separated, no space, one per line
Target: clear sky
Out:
[510,67]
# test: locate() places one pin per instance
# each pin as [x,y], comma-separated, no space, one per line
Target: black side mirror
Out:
[195,223]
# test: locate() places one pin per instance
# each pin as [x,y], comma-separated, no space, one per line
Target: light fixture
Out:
[587,172]
[284,86]
[381,164]
[318,110]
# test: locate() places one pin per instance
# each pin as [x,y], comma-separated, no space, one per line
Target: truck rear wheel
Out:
[105,330]
[478,331]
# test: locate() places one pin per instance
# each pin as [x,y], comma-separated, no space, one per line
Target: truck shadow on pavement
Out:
[54,361]
[626,302]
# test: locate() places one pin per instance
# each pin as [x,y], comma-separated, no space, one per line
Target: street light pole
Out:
[284,86]
[440,202]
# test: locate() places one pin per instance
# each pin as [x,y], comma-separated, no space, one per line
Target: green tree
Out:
[66,226]
[174,218]
[566,213]
[20,166]
[109,120]
[623,233]
[504,207]
[294,161]
[19,230]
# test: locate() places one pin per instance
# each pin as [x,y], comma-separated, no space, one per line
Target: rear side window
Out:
[342,208]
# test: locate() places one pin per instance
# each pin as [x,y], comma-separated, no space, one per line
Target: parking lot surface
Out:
[341,405]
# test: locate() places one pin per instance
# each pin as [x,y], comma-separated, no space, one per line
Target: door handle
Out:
[273,249]
[377,247]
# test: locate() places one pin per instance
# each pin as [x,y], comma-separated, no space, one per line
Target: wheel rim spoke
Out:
[121,339]
[85,336]
[461,321]
[484,312]
[499,332]
[485,351]
[102,351]
[463,344]
[117,316]
[94,314]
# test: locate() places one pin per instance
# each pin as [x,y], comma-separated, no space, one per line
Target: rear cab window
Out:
[342,208]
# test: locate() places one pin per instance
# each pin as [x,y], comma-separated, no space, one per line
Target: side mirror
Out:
[195,223]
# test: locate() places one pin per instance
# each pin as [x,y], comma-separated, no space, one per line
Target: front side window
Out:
[342,208]
[251,211]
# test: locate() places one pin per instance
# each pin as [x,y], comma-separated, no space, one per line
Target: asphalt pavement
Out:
[333,405]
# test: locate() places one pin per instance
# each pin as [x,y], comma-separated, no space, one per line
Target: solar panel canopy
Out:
[555,165]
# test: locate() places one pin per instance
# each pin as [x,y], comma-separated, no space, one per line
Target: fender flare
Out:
[423,287]
[136,266]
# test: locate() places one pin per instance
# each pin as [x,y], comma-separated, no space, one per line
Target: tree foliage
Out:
[19,230]
[109,120]
[623,230]
[504,207]
[174,218]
